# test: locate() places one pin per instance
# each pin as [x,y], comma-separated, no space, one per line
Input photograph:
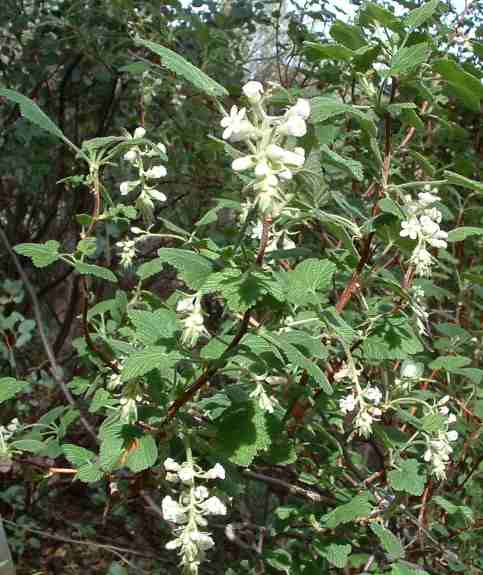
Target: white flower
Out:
[201,492]
[426,198]
[214,506]
[262,169]
[216,472]
[294,126]
[161,147]
[130,155]
[265,402]
[422,260]
[439,239]
[451,418]
[347,404]
[193,327]
[172,510]
[295,158]
[155,194]
[233,123]
[253,91]
[257,231]
[428,226]
[241,164]
[171,465]
[411,370]
[139,132]
[156,172]
[373,394]
[186,473]
[128,252]
[452,435]
[127,187]
[410,228]
[203,540]
[301,109]
[275,153]
[186,304]
[363,422]
[173,544]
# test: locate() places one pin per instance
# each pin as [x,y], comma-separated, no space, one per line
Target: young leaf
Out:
[461,83]
[407,58]
[348,164]
[392,545]
[420,15]
[337,555]
[10,387]
[356,508]
[177,64]
[407,478]
[144,455]
[42,255]
[93,270]
[77,455]
[142,362]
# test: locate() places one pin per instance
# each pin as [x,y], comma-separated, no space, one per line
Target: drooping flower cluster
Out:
[193,326]
[438,448]
[423,225]
[145,176]
[189,512]
[6,432]
[276,239]
[127,249]
[365,401]
[265,402]
[271,158]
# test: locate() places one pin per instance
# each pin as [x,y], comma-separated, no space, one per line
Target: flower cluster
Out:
[366,402]
[438,448]
[265,402]
[6,432]
[423,225]
[271,158]
[276,239]
[193,326]
[145,176]
[190,510]
[128,252]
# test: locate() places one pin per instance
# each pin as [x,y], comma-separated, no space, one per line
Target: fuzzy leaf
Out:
[407,478]
[392,545]
[93,270]
[407,58]
[10,387]
[141,362]
[42,255]
[459,234]
[177,64]
[356,508]
[337,555]
[152,326]
[348,164]
[77,455]
[420,15]
[459,180]
[461,83]
[144,455]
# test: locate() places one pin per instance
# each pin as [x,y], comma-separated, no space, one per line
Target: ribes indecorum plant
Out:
[322,335]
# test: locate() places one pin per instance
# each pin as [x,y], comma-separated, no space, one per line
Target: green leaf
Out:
[461,83]
[323,108]
[242,433]
[356,508]
[144,455]
[279,559]
[177,64]
[111,446]
[402,568]
[42,255]
[337,555]
[89,473]
[389,206]
[192,268]
[392,545]
[407,58]
[31,445]
[420,15]
[459,180]
[152,326]
[407,478]
[449,362]
[141,362]
[376,13]
[77,455]
[348,164]
[328,51]
[347,35]
[10,387]
[309,276]
[93,270]
[32,112]
[459,234]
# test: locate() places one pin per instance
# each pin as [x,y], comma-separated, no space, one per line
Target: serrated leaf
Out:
[460,234]
[77,455]
[392,545]
[177,64]
[30,445]
[89,473]
[376,13]
[461,83]
[356,508]
[402,568]
[337,555]
[152,326]
[279,559]
[328,51]
[407,478]
[389,206]
[192,268]
[30,111]
[450,362]
[242,433]
[42,255]
[10,387]
[348,164]
[421,14]
[111,447]
[347,35]
[93,270]
[459,180]
[141,362]
[144,455]
[407,58]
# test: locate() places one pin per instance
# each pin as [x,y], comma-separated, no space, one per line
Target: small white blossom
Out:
[186,304]
[347,404]
[201,492]
[233,123]
[171,465]
[301,109]
[126,187]
[253,91]
[265,402]
[139,132]
[373,394]
[216,472]
[213,506]
[202,540]
[128,252]
[156,172]
[186,473]
[130,156]
[410,228]
[242,164]
[172,510]
[294,126]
